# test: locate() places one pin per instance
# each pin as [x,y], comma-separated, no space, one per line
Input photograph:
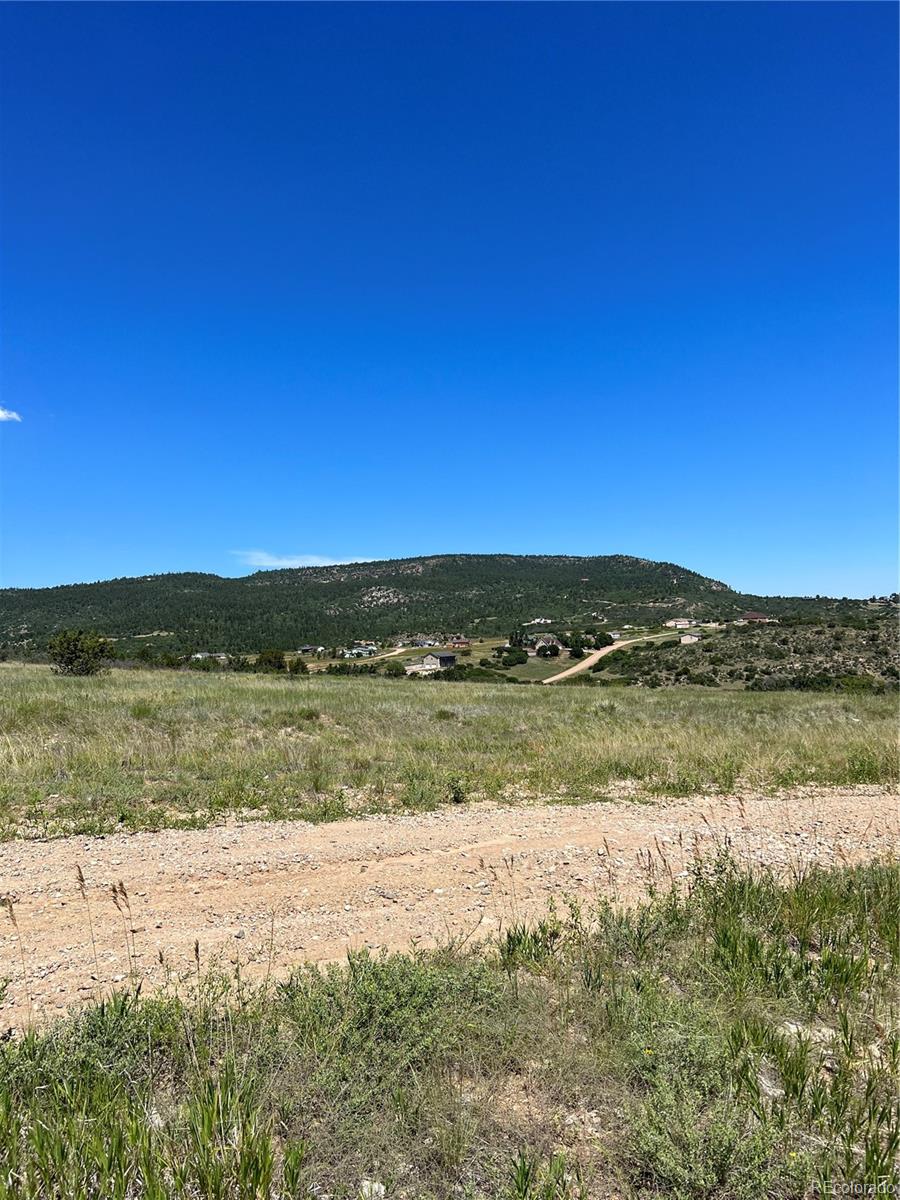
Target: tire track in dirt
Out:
[271,895]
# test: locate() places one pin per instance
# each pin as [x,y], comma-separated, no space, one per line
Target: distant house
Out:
[547,639]
[460,641]
[759,618]
[360,652]
[680,623]
[688,639]
[540,621]
[310,649]
[439,660]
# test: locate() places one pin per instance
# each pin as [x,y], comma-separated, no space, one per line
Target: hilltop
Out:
[474,593]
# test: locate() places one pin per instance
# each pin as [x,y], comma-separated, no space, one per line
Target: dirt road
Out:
[313,892]
[389,654]
[313,667]
[585,664]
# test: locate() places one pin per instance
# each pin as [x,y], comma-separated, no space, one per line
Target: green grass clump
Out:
[145,750]
[736,1040]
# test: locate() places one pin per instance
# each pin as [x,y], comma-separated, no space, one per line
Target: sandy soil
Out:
[585,664]
[272,895]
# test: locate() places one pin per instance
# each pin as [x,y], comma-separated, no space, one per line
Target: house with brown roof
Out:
[547,639]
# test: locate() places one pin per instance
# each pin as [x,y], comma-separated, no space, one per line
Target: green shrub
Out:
[75,652]
[271,660]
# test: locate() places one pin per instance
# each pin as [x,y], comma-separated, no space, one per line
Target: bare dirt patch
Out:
[270,895]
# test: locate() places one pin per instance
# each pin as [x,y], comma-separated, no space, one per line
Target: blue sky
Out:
[288,282]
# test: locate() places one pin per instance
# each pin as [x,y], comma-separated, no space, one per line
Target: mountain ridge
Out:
[474,593]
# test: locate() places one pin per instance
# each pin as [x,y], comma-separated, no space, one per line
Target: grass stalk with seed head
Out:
[82,888]
[119,902]
[8,904]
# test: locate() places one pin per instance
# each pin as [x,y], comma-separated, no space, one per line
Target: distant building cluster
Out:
[360,650]
[749,618]
[441,649]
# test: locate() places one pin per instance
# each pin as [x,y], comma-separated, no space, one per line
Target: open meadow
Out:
[154,749]
[577,943]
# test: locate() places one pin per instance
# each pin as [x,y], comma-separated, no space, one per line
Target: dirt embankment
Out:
[273,895]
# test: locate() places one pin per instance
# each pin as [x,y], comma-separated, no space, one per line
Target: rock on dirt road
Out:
[273,895]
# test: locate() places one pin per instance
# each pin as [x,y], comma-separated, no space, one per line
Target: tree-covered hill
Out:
[766,658]
[472,593]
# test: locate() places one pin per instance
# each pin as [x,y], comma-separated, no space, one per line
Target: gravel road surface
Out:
[274,894]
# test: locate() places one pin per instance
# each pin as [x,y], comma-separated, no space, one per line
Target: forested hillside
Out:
[767,658]
[469,593]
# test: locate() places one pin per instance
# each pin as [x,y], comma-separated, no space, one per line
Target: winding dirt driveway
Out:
[585,664]
[320,666]
[272,895]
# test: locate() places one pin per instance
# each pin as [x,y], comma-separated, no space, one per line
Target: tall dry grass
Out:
[148,749]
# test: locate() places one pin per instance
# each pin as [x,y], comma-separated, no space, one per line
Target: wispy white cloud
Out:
[262,558]
[6,414]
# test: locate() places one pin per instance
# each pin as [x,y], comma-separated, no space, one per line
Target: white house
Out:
[440,660]
[688,639]
[360,652]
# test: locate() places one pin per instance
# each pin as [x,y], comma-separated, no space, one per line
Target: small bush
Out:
[74,652]
[271,660]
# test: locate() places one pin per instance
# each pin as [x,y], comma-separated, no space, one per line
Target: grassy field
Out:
[733,1041]
[147,749]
